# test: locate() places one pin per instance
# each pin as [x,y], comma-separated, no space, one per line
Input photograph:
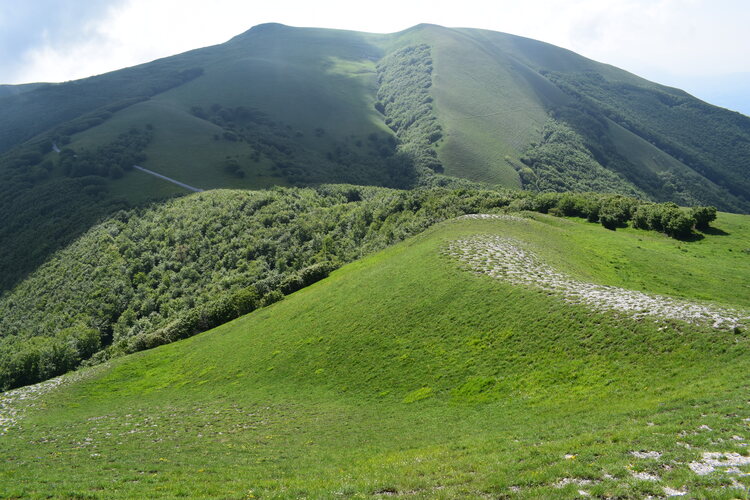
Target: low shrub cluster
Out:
[43,357]
[614,211]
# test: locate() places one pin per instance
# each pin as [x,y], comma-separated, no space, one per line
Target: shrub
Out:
[616,211]
[679,224]
[703,216]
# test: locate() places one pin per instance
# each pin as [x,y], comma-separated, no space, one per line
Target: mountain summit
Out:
[279,105]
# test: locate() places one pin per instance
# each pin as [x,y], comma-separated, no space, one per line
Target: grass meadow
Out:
[402,374]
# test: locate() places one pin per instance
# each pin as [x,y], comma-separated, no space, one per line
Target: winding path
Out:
[169,179]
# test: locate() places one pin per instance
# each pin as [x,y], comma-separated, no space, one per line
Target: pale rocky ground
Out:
[14,403]
[508,260]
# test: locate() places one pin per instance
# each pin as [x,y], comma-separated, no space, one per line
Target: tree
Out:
[703,216]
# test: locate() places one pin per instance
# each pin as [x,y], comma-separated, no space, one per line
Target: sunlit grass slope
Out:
[490,106]
[305,80]
[403,374]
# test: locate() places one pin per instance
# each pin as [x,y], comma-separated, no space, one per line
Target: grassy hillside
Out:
[490,106]
[403,374]
[315,92]
[144,278]
[297,106]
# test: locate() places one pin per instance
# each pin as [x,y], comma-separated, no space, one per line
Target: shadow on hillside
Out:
[692,237]
[714,231]
[700,234]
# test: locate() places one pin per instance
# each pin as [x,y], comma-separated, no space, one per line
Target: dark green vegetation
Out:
[149,277]
[402,374]
[561,162]
[288,106]
[404,81]
[713,143]
[111,160]
[353,160]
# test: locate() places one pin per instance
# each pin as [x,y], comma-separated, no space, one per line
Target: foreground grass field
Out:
[402,374]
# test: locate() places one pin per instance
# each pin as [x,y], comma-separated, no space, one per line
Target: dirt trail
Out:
[168,179]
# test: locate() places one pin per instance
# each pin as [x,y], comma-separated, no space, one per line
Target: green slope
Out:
[404,374]
[279,105]
[147,277]
[492,94]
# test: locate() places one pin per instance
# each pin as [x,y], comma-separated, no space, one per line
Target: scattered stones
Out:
[505,259]
[729,462]
[14,402]
[493,217]
[673,493]
[571,480]
[644,476]
[646,454]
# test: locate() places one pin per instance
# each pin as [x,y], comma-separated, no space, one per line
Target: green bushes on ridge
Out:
[668,218]
[614,211]
[146,277]
[43,357]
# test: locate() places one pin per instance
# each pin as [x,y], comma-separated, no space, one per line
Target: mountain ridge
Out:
[279,105]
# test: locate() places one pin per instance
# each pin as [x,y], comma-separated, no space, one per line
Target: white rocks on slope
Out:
[505,259]
[12,402]
[729,462]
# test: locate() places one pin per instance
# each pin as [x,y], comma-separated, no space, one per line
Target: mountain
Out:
[297,106]
[374,308]
[416,371]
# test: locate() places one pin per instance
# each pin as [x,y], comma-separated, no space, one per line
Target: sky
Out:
[701,46]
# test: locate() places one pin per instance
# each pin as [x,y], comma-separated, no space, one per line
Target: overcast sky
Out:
[701,46]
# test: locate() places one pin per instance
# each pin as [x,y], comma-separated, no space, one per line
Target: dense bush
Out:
[562,162]
[670,219]
[404,81]
[703,216]
[26,361]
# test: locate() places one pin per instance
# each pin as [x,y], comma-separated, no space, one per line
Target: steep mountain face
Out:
[295,106]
